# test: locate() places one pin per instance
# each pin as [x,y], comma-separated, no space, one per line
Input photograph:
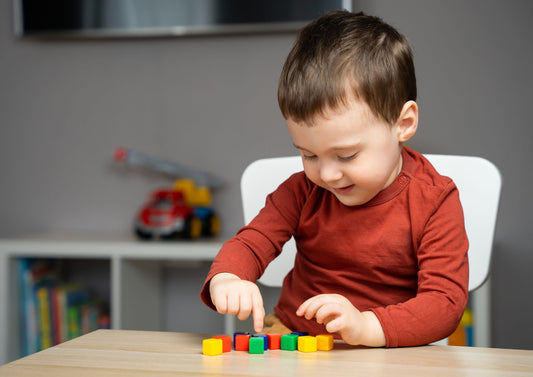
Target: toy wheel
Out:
[211,225]
[193,228]
[143,235]
[170,236]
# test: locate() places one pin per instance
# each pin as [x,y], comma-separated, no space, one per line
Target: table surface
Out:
[146,353]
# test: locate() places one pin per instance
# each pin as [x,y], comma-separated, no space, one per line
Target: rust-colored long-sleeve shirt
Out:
[403,255]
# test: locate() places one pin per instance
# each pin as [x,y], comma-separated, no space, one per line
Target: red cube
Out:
[242,342]
[274,341]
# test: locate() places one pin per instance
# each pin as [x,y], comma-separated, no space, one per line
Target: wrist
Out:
[224,276]
[372,334]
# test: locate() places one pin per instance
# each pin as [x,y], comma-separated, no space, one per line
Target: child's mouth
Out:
[343,190]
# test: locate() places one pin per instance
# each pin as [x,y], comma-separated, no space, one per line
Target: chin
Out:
[350,202]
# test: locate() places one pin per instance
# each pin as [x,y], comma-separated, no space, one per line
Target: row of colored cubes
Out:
[258,344]
[306,343]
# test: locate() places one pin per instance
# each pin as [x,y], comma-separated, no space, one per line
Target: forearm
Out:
[424,319]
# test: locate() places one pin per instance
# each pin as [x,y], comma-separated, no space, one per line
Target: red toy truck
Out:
[181,212]
[166,215]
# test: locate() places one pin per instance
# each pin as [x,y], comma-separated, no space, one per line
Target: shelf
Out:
[135,269]
[60,246]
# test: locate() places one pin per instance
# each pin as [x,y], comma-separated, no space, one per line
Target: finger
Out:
[313,305]
[304,307]
[335,325]
[245,307]
[327,312]
[233,303]
[258,312]
[221,303]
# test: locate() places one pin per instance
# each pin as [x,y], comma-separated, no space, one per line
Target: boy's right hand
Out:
[235,296]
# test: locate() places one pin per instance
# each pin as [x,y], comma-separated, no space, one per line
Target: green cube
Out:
[257,345]
[289,342]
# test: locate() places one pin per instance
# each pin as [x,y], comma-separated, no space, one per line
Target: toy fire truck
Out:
[183,211]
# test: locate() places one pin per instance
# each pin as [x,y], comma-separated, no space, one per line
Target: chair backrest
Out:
[478,181]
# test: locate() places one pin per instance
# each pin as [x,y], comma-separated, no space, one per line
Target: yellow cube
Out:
[212,347]
[324,342]
[307,344]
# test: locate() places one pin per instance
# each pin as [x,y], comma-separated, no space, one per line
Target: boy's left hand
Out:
[338,314]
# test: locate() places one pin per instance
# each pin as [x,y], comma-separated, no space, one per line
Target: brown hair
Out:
[342,52]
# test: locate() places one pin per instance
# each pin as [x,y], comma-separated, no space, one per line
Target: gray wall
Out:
[209,102]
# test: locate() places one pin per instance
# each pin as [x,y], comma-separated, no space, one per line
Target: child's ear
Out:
[407,121]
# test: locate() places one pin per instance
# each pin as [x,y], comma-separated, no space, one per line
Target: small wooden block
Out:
[212,347]
[226,342]
[274,341]
[307,343]
[242,342]
[324,342]
[289,342]
[257,345]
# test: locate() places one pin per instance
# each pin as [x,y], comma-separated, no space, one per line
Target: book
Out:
[53,311]
[45,324]
[28,309]
[34,274]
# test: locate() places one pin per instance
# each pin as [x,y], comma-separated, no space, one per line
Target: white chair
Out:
[478,181]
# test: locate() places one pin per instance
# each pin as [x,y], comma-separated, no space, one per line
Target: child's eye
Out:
[347,158]
[308,157]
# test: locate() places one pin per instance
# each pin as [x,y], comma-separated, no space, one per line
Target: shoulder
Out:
[433,199]
[296,187]
[423,174]
[428,189]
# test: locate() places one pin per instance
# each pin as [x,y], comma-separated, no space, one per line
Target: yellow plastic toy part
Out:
[324,342]
[194,196]
[212,347]
[307,343]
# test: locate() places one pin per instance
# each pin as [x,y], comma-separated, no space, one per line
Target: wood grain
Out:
[143,353]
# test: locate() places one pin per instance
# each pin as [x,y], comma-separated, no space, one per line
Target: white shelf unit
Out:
[134,275]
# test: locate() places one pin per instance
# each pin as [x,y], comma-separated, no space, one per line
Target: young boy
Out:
[382,249]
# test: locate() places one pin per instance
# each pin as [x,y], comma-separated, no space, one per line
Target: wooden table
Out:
[144,353]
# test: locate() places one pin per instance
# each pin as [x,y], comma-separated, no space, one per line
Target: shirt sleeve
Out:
[442,290]
[248,253]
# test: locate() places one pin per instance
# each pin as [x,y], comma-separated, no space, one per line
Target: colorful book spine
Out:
[53,312]
[28,308]
[45,323]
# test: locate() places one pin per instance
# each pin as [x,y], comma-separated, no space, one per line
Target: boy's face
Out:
[349,152]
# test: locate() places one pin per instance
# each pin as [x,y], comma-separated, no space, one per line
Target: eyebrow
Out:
[337,148]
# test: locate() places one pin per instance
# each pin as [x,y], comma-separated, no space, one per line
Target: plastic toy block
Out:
[226,342]
[307,343]
[289,342]
[300,333]
[257,345]
[265,339]
[212,347]
[274,341]
[242,342]
[238,333]
[324,342]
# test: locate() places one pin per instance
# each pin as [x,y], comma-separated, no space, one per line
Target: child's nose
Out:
[330,172]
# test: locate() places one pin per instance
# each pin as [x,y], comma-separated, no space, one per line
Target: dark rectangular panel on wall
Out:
[144,18]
